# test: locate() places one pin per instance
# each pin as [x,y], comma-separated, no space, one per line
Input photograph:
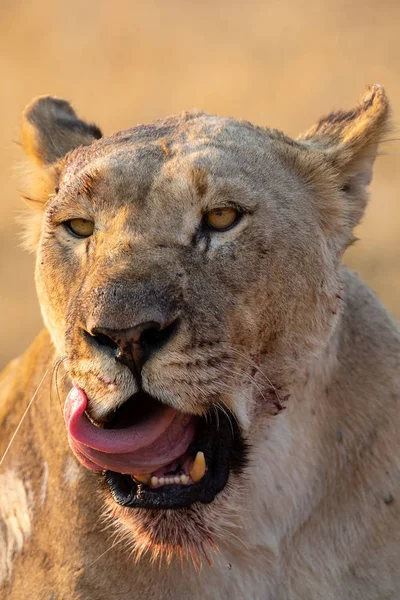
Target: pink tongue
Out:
[140,448]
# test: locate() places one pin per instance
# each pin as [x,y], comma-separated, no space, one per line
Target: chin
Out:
[183,535]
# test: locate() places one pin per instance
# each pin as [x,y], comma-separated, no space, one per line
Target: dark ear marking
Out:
[79,126]
[51,128]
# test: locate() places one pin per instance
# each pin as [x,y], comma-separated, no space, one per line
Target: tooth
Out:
[198,468]
[177,479]
[154,481]
[143,478]
[185,479]
[161,481]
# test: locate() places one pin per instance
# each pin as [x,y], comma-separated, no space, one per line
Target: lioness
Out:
[213,408]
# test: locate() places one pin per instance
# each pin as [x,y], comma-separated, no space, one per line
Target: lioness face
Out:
[187,272]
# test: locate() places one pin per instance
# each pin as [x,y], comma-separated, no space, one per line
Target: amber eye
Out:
[221,218]
[80,227]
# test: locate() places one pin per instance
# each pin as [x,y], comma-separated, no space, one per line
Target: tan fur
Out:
[273,327]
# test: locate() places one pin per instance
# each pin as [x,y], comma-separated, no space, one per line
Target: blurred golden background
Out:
[277,63]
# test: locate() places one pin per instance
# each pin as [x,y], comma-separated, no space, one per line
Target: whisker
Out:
[253,364]
[22,418]
[54,375]
[105,552]
[234,536]
[224,385]
[251,379]
[258,369]
[216,415]
[248,377]
[222,409]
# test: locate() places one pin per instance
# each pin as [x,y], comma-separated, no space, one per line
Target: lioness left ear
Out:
[349,142]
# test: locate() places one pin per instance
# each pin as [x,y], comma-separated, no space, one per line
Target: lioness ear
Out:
[349,141]
[50,129]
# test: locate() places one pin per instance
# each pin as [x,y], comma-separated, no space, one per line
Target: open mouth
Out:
[153,456]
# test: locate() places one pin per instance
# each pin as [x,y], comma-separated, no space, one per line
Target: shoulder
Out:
[365,315]
[20,379]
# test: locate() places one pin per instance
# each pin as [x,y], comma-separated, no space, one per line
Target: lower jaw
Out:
[187,535]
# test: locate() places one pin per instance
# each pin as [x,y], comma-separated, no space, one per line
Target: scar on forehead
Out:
[199,179]
[88,183]
[165,147]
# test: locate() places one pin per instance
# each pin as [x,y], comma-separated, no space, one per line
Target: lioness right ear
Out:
[50,129]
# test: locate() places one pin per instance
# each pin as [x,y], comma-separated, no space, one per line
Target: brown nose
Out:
[134,346]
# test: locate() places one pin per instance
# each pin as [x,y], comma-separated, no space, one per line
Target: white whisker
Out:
[105,552]
[222,409]
[255,366]
[22,418]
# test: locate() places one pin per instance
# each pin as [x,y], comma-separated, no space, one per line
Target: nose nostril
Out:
[155,337]
[103,340]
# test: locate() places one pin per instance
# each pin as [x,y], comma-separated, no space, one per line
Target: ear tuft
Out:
[51,128]
[365,124]
[347,143]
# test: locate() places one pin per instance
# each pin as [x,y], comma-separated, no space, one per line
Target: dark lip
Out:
[225,451]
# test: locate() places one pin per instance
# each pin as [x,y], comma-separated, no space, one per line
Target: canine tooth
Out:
[143,478]
[177,479]
[154,480]
[185,479]
[198,468]
[161,481]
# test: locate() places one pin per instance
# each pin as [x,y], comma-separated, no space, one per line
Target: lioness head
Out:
[188,272]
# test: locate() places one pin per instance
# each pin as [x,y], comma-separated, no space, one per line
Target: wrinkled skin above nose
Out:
[134,319]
